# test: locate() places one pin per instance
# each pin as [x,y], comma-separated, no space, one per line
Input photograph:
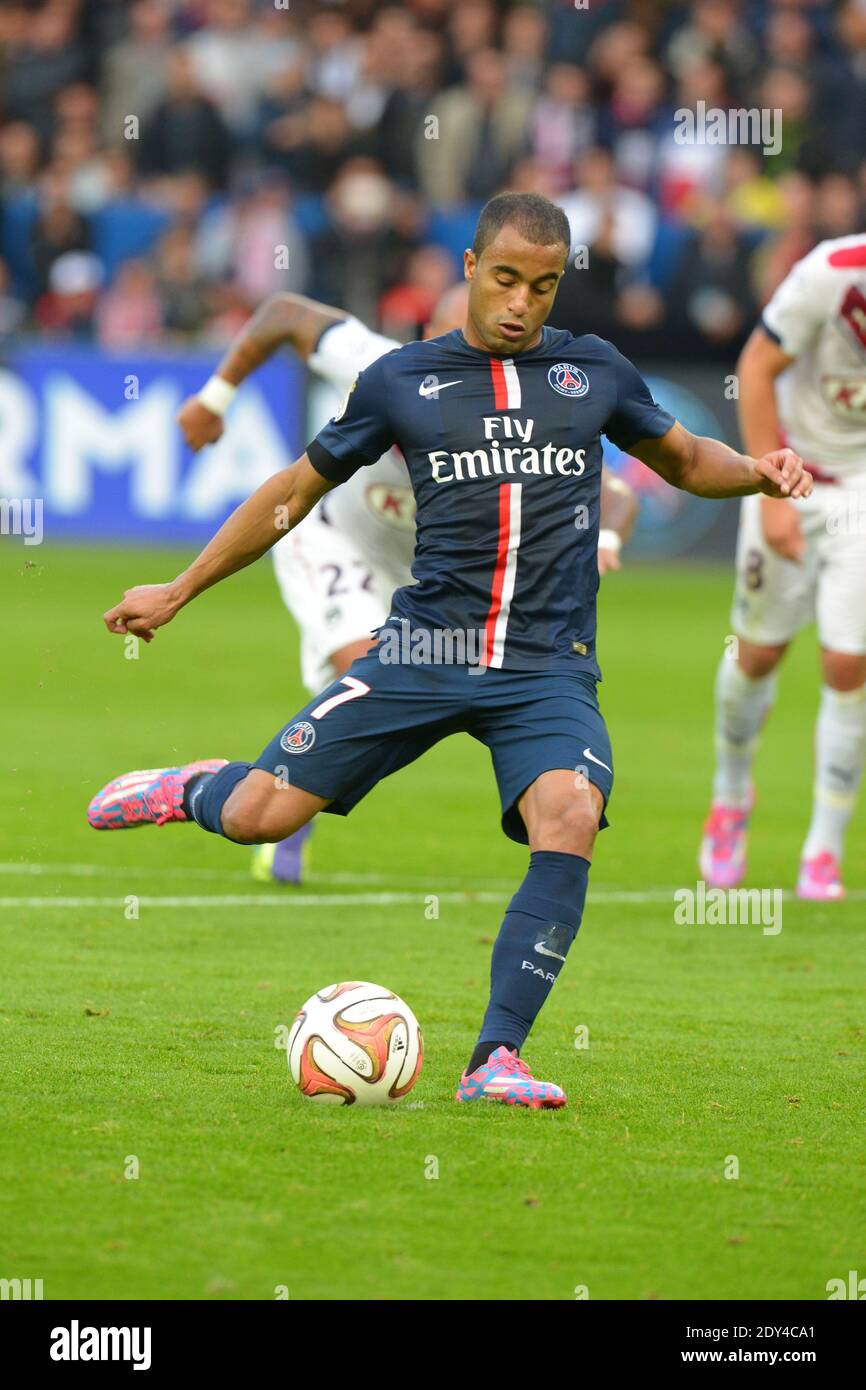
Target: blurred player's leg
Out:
[840,733]
[840,749]
[288,860]
[773,599]
[745,689]
[337,599]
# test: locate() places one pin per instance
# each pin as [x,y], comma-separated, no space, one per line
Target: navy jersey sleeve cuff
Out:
[334,469]
[771,332]
[651,429]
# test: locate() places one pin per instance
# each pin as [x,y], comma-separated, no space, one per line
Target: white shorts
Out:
[774,597]
[336,594]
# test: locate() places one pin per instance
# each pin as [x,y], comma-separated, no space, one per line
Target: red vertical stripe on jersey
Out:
[499,570]
[500,385]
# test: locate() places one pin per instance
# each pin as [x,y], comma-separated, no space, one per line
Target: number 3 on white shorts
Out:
[355,689]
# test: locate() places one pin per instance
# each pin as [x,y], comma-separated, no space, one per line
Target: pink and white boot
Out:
[722,857]
[820,878]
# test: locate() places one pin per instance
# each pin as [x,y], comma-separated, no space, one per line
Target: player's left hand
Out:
[782,473]
[143,609]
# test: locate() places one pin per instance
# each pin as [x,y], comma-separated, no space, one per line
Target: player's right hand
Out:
[781,526]
[143,609]
[199,425]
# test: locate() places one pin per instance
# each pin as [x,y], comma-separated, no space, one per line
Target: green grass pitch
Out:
[153,1039]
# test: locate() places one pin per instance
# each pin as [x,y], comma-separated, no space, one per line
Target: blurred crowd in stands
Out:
[166,164]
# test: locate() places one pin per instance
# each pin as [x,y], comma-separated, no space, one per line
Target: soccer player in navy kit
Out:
[499,425]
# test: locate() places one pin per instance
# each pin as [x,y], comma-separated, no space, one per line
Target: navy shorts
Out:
[379,717]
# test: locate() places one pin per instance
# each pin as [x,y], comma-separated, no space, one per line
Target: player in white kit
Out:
[802,378]
[338,571]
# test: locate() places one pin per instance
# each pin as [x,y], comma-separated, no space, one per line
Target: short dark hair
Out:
[537,219]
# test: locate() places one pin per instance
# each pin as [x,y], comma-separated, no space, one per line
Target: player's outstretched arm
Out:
[282,319]
[709,468]
[253,527]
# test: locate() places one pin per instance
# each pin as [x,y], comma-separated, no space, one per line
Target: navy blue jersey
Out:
[504,457]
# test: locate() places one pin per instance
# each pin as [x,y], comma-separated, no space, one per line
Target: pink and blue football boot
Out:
[506,1078]
[151,797]
[722,856]
[820,878]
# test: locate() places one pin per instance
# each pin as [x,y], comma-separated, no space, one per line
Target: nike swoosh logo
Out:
[546,951]
[594,759]
[441,386]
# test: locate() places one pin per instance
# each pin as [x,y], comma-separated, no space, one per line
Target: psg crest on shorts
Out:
[298,737]
[568,380]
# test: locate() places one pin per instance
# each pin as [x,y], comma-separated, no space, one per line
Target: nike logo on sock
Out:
[546,951]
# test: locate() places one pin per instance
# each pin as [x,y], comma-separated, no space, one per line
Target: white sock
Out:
[840,750]
[742,705]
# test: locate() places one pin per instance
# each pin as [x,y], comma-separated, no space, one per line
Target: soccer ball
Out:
[355,1043]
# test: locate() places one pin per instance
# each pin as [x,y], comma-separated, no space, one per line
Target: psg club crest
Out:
[298,737]
[568,380]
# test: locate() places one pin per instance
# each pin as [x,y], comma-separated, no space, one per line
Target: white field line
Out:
[487,891]
[12,870]
[289,899]
[293,900]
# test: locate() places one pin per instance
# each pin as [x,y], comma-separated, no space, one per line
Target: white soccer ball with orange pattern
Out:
[355,1044]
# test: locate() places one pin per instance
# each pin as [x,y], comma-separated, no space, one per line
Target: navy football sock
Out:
[211,792]
[188,790]
[541,922]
